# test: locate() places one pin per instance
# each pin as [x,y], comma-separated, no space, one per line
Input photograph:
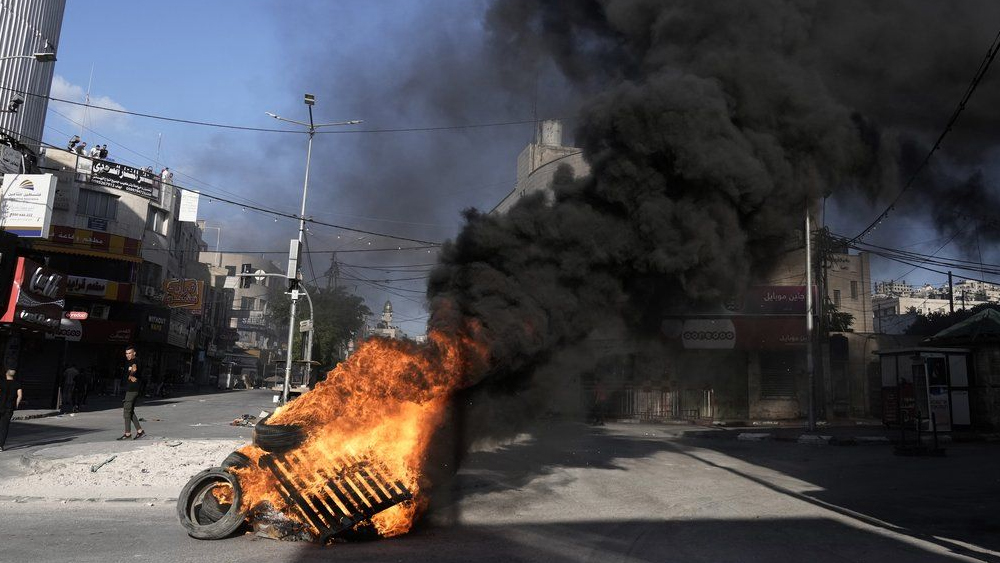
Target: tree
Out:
[337,318]
[933,323]
[837,320]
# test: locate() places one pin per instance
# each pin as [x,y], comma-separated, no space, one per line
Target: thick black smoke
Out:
[710,127]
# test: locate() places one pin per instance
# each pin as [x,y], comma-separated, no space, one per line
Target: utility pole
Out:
[294,273]
[951,294]
[809,326]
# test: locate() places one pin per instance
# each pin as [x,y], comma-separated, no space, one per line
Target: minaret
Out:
[387,314]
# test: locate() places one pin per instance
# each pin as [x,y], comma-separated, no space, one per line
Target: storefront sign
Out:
[708,334]
[770,333]
[37,297]
[126,178]
[96,287]
[92,243]
[26,204]
[95,331]
[184,294]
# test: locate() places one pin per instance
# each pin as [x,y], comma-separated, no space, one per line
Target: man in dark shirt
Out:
[10,399]
[132,389]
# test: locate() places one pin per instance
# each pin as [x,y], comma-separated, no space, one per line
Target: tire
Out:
[277,438]
[237,460]
[191,506]
[212,510]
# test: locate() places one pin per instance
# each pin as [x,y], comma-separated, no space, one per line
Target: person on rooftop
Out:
[73,142]
[81,148]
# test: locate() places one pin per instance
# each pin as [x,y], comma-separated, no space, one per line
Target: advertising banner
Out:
[92,243]
[126,178]
[189,206]
[184,294]
[37,297]
[26,204]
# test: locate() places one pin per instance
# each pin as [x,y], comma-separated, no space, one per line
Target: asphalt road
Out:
[569,492]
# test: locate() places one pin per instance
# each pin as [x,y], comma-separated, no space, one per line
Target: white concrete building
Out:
[893,315]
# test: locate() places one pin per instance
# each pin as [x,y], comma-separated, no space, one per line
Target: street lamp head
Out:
[44,57]
[271,114]
[310,99]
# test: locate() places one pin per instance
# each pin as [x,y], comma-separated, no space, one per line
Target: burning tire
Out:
[277,438]
[236,460]
[196,510]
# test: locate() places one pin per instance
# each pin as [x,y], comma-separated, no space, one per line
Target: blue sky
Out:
[394,64]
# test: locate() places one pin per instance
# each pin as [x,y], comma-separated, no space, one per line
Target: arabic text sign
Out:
[183,294]
[10,160]
[26,208]
[126,178]
[708,334]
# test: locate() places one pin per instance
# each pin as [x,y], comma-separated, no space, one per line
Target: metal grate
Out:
[352,491]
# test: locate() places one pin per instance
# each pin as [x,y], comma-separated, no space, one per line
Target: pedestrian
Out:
[95,152]
[72,143]
[10,399]
[104,151]
[166,176]
[69,384]
[81,148]
[116,381]
[132,391]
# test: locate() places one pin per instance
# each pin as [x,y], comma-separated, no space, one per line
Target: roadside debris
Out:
[94,468]
[274,525]
[245,420]
[172,443]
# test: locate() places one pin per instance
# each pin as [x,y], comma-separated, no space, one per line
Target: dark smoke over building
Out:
[710,128]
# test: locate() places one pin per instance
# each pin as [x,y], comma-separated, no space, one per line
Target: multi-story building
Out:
[894,315]
[744,359]
[254,342]
[538,162]
[28,41]
[893,287]
[384,326]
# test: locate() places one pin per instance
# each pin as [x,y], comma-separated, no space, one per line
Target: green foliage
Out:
[837,320]
[933,323]
[338,317]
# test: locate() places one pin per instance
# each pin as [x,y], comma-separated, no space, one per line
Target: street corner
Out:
[113,471]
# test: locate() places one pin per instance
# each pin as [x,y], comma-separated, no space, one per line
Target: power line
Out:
[272,130]
[980,73]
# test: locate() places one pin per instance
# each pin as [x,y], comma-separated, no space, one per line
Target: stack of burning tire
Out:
[209,506]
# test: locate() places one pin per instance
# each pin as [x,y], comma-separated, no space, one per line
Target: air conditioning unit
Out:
[149,291]
[99,311]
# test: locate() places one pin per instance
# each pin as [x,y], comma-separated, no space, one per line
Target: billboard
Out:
[126,178]
[189,206]
[37,297]
[26,204]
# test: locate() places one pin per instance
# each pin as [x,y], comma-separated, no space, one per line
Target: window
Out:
[246,281]
[97,204]
[836,297]
[246,303]
[156,220]
[854,289]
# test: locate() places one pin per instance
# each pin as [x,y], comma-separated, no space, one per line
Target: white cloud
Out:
[73,116]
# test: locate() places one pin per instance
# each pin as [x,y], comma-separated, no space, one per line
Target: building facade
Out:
[27,27]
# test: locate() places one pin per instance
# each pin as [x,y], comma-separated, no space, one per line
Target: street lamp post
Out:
[310,100]
[40,57]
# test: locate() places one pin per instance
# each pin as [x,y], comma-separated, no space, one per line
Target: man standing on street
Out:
[10,399]
[132,389]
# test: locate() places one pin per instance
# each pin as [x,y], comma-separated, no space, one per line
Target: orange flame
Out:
[383,403]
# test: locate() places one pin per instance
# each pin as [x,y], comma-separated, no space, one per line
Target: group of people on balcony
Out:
[80,147]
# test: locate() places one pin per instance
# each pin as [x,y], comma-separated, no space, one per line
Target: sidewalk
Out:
[843,433]
[103,402]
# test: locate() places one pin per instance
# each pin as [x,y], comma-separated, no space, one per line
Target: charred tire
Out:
[212,510]
[237,460]
[277,438]
[191,505]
